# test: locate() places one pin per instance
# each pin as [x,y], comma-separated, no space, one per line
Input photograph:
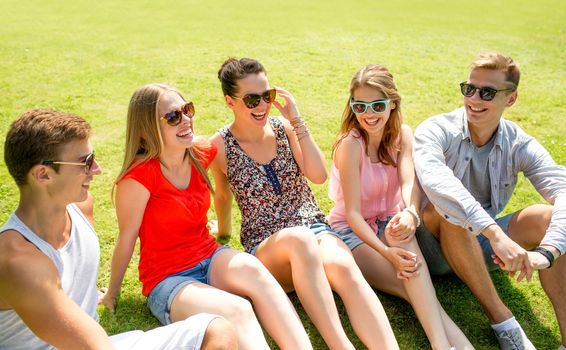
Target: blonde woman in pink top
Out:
[376,200]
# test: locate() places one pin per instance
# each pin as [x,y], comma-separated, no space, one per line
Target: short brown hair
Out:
[497,61]
[233,70]
[37,135]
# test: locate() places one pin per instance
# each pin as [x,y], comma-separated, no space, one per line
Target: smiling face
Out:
[71,181]
[251,84]
[373,123]
[486,114]
[177,136]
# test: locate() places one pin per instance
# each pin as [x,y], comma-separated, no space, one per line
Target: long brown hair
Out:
[379,78]
[143,136]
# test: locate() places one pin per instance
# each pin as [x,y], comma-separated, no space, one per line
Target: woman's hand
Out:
[212,226]
[104,298]
[401,227]
[405,262]
[288,110]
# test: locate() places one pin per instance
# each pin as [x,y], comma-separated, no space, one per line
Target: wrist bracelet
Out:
[415,216]
[302,135]
[547,254]
[295,122]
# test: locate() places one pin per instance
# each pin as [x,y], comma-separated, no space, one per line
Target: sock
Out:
[506,325]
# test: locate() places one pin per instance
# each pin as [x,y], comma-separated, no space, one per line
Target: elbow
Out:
[319,178]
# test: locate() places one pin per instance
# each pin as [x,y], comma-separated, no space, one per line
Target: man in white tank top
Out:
[49,252]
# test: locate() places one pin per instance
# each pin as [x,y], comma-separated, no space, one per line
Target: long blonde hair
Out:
[143,136]
[379,78]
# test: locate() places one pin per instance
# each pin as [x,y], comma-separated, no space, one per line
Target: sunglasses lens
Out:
[174,118]
[251,100]
[359,108]
[468,90]
[89,161]
[487,93]
[269,95]
[189,109]
[379,107]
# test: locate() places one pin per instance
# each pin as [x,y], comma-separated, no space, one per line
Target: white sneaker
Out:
[514,339]
[562,347]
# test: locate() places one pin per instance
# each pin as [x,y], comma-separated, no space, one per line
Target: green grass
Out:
[88,57]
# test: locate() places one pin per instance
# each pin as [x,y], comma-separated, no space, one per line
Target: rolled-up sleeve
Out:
[549,179]
[443,189]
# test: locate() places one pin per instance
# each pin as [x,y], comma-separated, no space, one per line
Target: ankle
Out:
[509,323]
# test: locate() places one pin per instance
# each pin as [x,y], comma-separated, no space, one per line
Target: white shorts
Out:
[186,335]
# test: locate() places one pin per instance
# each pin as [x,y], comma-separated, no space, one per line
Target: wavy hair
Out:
[377,77]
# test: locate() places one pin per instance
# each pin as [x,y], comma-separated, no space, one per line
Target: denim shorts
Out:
[161,296]
[318,229]
[437,265]
[353,241]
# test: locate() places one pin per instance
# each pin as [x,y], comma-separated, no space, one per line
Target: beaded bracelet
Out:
[415,216]
[302,135]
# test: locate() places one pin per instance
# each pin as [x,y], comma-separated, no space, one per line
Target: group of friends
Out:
[405,207]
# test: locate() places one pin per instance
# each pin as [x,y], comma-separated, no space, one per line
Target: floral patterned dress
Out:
[270,196]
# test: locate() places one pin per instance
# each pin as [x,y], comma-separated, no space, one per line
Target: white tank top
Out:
[77,264]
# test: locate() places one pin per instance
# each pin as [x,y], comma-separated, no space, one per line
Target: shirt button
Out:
[445,216]
[467,158]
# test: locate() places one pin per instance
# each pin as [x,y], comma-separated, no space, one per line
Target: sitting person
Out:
[49,252]
[163,196]
[266,161]
[376,197]
[467,162]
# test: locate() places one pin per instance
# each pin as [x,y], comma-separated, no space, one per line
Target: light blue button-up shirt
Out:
[442,153]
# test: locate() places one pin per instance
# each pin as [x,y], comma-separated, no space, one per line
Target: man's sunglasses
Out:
[377,106]
[252,100]
[87,164]
[174,118]
[486,93]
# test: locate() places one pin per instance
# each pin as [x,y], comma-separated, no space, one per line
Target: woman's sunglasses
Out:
[377,106]
[174,118]
[252,100]
[89,161]
[486,93]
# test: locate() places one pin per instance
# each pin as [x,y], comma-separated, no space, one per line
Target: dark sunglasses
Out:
[253,100]
[174,118]
[377,106]
[486,93]
[89,161]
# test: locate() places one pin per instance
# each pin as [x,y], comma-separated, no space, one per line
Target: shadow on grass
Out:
[456,298]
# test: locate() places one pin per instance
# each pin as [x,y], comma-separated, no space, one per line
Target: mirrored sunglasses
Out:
[377,106]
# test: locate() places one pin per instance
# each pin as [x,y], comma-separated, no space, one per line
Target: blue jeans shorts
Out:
[318,229]
[353,241]
[430,246]
[161,296]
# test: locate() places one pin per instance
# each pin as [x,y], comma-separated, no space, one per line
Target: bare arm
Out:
[131,200]
[222,192]
[305,151]
[346,160]
[404,224]
[30,284]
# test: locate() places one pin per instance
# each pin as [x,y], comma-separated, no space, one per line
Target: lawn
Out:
[87,57]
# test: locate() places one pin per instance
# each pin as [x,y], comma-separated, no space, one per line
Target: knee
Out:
[239,311]
[220,334]
[300,241]
[341,269]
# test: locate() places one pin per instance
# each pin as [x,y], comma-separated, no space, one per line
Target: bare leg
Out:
[220,335]
[381,275]
[366,313]
[527,228]
[197,297]
[292,256]
[463,253]
[244,275]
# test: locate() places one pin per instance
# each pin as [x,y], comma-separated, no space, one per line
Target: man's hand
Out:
[508,254]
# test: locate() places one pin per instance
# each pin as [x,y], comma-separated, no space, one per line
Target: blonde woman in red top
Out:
[162,196]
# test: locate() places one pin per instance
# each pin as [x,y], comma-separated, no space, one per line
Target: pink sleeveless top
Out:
[380,187]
